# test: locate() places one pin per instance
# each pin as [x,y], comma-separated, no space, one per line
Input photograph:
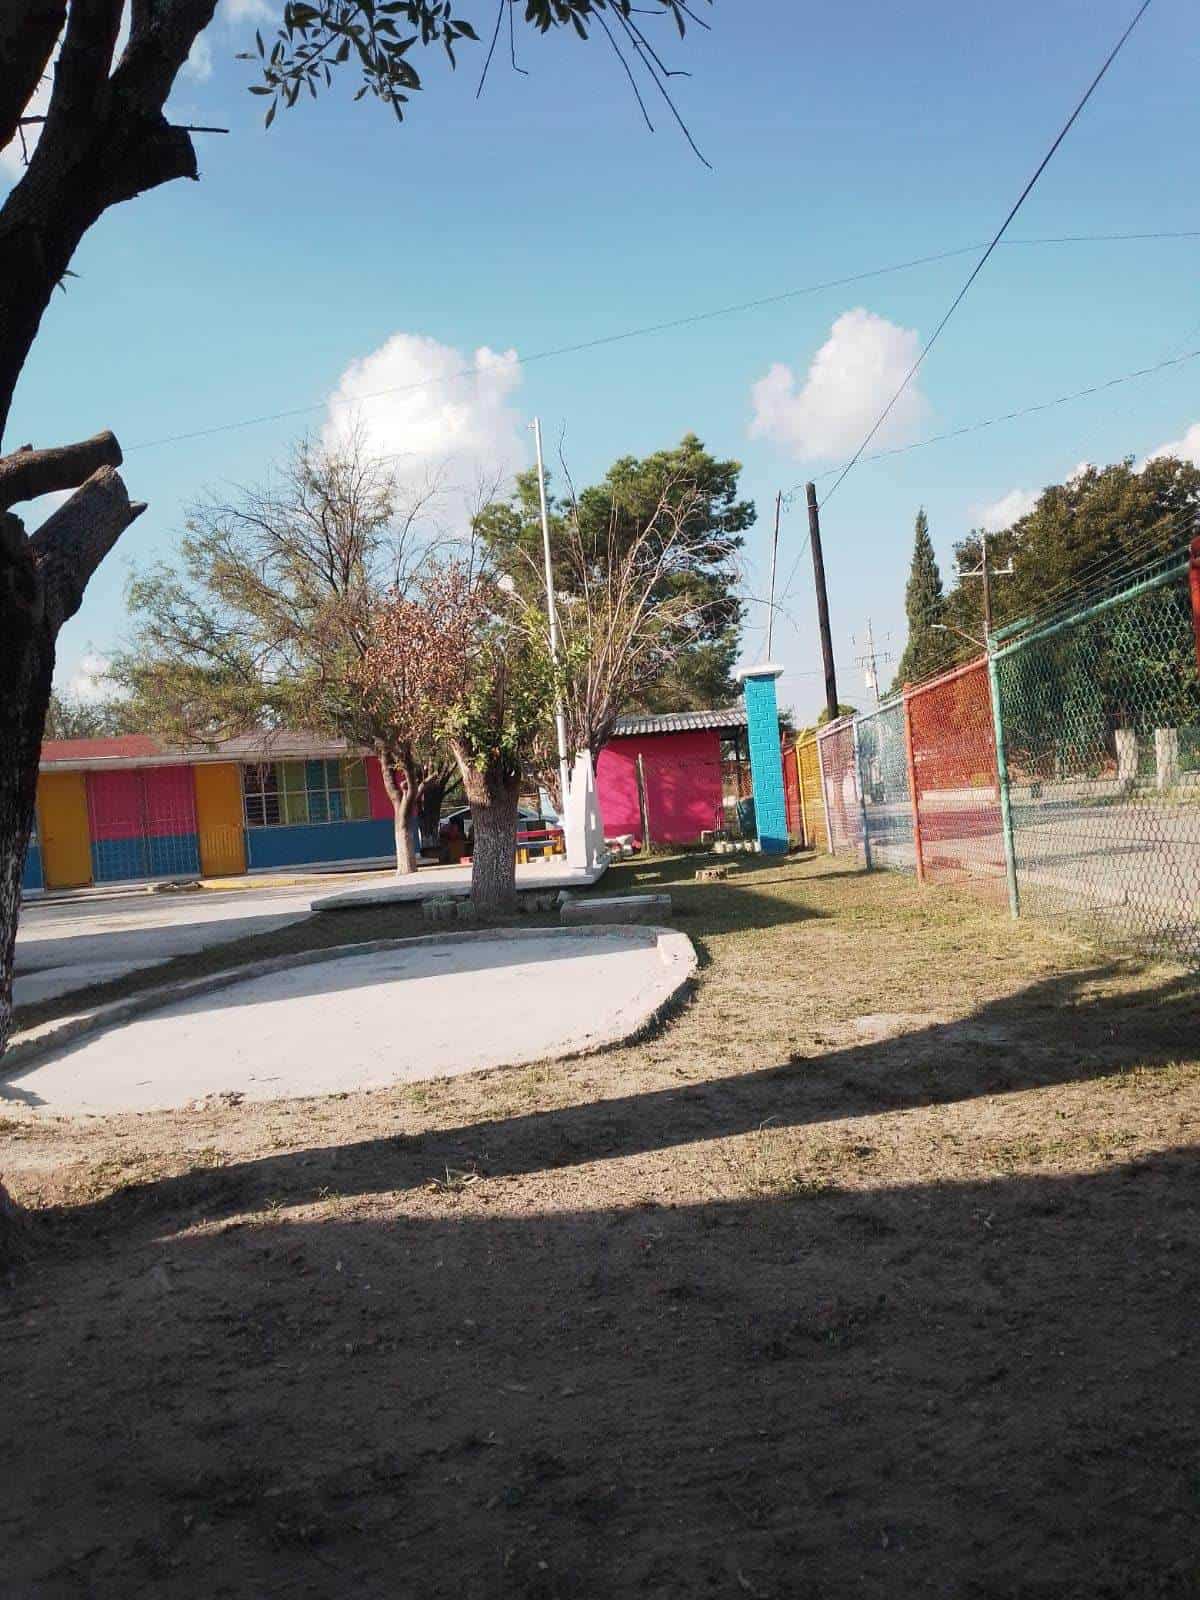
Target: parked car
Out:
[527,821]
[457,826]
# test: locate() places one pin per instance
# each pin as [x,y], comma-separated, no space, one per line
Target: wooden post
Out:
[805,835]
[814,538]
[918,847]
[643,804]
[1194,589]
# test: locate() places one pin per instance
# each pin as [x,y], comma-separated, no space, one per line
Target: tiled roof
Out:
[127,747]
[730,717]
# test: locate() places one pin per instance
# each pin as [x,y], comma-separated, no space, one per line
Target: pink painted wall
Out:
[683,785]
[127,802]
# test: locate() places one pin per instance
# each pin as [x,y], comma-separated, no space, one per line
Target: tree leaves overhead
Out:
[316,37]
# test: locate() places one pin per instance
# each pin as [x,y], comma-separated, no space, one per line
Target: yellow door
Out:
[63,830]
[219,818]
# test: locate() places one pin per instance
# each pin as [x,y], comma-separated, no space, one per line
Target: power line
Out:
[662,327]
[991,422]
[985,257]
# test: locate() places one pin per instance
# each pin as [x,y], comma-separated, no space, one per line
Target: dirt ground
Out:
[873,1272]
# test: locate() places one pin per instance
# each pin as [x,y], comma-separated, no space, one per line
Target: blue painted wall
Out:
[166,855]
[31,878]
[766,767]
[330,841]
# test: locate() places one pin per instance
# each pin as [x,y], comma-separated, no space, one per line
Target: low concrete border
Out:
[675,950]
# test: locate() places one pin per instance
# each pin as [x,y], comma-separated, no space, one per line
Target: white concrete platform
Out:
[66,946]
[535,876]
[393,1012]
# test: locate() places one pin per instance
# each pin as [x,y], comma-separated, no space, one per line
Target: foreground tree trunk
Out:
[42,579]
[400,794]
[493,798]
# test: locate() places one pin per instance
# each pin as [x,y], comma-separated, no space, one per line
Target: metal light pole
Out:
[560,721]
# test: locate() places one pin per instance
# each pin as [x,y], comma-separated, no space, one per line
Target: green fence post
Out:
[862,797]
[1010,856]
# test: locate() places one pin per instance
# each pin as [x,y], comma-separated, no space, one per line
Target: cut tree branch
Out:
[28,473]
[73,541]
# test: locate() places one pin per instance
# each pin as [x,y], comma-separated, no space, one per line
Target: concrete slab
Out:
[617,908]
[64,947]
[404,1010]
[432,882]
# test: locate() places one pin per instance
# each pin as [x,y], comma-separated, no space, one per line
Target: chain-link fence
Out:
[1101,719]
[1064,771]
[812,797]
[955,783]
[839,782]
[886,802]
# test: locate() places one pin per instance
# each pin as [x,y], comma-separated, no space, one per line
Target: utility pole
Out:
[814,538]
[774,557]
[870,661]
[560,721]
[987,572]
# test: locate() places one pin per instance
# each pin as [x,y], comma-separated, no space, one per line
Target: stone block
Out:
[617,908]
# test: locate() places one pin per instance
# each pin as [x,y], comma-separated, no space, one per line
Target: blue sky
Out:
[842,140]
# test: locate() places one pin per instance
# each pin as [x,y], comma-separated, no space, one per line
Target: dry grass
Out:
[872,1272]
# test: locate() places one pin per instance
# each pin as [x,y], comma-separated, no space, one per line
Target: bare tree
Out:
[267,622]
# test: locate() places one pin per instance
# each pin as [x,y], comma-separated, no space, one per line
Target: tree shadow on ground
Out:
[1060,1030]
[978,1390]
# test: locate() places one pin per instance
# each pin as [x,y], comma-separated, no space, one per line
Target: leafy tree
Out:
[925,650]
[105,139]
[645,583]
[68,717]
[463,657]
[267,619]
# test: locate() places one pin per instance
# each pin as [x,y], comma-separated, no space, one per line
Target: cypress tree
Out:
[925,650]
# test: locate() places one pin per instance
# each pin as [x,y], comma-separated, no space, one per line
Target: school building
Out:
[115,810]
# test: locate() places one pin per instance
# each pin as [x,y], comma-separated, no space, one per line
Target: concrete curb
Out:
[675,950]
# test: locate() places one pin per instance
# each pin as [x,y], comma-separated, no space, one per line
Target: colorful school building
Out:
[115,810]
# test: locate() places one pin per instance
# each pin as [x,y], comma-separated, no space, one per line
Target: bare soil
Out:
[873,1272]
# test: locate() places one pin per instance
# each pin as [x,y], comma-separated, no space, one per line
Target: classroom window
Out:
[282,793]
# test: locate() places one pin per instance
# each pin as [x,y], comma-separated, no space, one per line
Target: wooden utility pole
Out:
[814,538]
[987,572]
[774,556]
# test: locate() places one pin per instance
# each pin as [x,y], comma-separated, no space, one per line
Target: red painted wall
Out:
[381,806]
[683,785]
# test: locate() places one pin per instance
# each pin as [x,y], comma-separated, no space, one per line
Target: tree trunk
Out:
[26,670]
[400,794]
[493,798]
[42,580]
[430,793]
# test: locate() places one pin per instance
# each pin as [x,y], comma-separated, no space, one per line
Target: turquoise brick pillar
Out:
[766,767]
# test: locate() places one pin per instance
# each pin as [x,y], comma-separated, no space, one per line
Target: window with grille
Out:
[283,793]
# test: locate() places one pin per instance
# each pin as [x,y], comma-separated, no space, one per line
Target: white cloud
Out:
[433,408]
[89,681]
[1078,471]
[1186,448]
[244,10]
[852,377]
[199,64]
[1004,512]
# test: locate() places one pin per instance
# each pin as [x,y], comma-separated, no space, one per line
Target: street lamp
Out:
[948,627]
